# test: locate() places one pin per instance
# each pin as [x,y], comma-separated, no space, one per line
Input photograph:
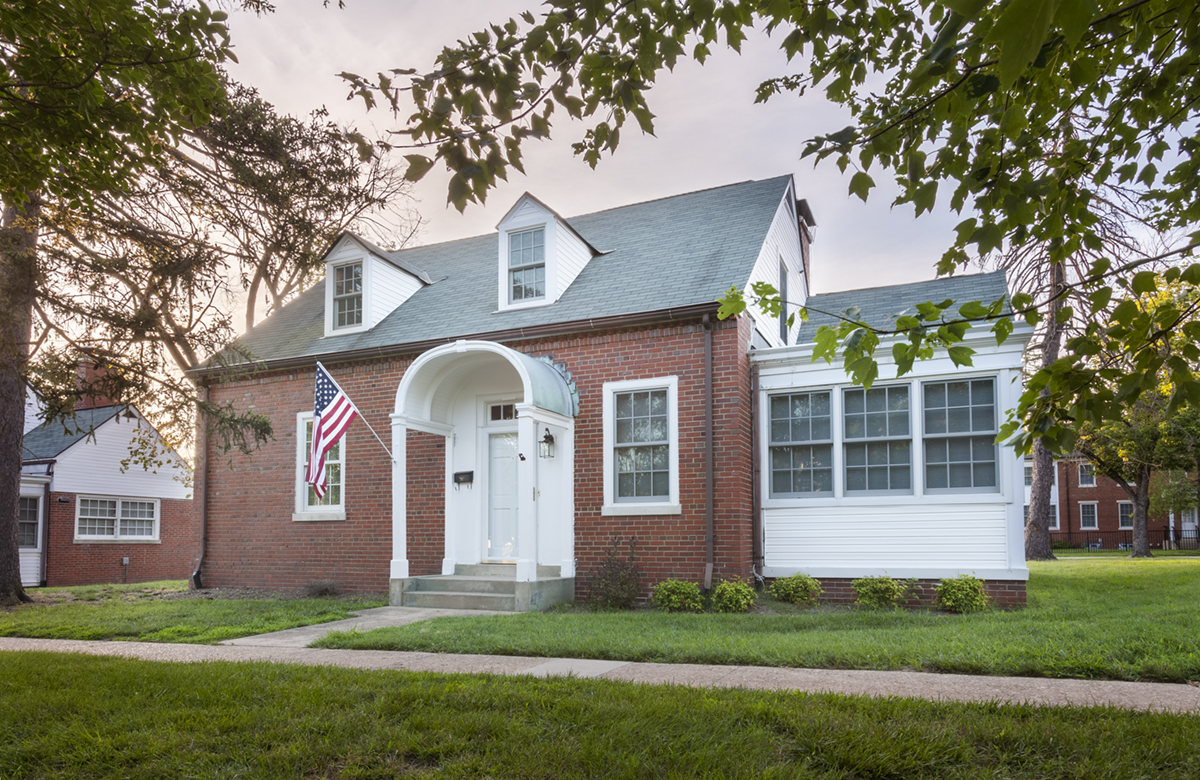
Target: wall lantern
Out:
[546,445]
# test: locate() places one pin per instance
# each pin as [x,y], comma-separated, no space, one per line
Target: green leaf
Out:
[861,184]
[1145,282]
[1019,32]
[961,356]
[418,166]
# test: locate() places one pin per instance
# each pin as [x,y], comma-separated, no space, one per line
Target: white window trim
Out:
[1079,474]
[1119,524]
[611,507]
[549,228]
[926,436]
[303,512]
[912,438]
[40,522]
[1096,509]
[835,442]
[153,539]
[330,283]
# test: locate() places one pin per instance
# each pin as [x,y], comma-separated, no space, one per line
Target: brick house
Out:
[560,383]
[83,519]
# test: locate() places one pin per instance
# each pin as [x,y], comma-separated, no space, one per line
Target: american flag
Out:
[332,414]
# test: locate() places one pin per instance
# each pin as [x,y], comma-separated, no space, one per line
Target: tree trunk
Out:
[18,278]
[1141,513]
[1037,530]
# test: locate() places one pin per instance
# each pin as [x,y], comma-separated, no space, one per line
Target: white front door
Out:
[502,497]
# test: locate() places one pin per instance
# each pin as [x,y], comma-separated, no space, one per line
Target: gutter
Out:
[194,582]
[688,312]
[708,452]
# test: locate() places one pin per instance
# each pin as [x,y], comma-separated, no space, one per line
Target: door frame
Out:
[483,446]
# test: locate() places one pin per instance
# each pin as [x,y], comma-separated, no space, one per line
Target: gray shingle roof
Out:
[49,440]
[881,305]
[662,254]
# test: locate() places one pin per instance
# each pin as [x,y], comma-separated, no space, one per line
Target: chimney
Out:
[90,382]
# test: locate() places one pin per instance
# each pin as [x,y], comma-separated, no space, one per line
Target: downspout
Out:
[202,467]
[756,528]
[708,452]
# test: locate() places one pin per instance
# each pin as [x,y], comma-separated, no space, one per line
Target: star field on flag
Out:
[332,414]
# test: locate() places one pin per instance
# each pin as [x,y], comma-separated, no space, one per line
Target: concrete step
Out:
[451,600]
[457,583]
[502,570]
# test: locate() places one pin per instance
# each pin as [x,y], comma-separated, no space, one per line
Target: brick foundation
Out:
[1005,594]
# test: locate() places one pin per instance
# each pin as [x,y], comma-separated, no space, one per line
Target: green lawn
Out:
[1092,618]
[137,612]
[72,716]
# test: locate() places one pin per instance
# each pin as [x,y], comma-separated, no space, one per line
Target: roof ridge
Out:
[908,284]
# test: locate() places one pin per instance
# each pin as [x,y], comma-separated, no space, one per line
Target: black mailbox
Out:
[464,477]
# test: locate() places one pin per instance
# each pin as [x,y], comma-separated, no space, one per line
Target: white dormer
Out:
[540,255]
[364,284]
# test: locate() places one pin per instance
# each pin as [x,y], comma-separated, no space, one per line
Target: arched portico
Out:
[509,498]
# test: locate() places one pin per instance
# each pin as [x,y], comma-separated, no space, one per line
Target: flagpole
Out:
[361,416]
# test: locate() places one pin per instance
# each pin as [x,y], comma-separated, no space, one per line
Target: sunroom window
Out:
[878,446]
[960,435]
[801,445]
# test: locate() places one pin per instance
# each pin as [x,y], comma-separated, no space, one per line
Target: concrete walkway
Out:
[289,647]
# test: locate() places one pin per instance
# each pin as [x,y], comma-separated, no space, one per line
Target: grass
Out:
[140,613]
[78,716]
[1076,552]
[1100,619]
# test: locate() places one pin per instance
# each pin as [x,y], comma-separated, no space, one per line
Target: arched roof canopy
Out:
[431,381]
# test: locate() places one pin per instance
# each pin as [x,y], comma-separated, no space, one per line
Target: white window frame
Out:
[1095,516]
[1028,475]
[890,438]
[331,328]
[510,268]
[304,512]
[549,244]
[1120,520]
[1090,474]
[834,412]
[1053,509]
[118,536]
[611,507]
[927,437]
[37,531]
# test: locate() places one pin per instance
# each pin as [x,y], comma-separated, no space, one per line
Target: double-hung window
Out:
[27,523]
[308,506]
[1087,475]
[641,447]
[116,518]
[527,265]
[960,435]
[1125,514]
[801,445]
[347,295]
[1087,517]
[878,440]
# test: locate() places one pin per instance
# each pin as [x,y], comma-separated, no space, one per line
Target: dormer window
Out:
[527,265]
[348,296]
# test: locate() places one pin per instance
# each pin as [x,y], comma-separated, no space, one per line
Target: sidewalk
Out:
[289,647]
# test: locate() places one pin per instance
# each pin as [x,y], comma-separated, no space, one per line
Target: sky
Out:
[709,132]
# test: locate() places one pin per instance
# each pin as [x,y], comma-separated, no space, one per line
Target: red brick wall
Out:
[90,563]
[1106,494]
[1005,594]
[252,539]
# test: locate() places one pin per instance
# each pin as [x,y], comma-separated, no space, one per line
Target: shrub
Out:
[615,584]
[962,594]
[677,596]
[733,595]
[317,589]
[797,589]
[881,592]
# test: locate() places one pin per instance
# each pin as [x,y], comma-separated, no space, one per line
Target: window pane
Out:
[958,394]
[856,479]
[877,400]
[820,428]
[982,392]
[985,475]
[856,454]
[901,477]
[27,523]
[854,401]
[935,477]
[780,430]
[935,421]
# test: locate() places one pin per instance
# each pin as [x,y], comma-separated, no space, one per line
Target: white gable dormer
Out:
[540,254]
[364,284]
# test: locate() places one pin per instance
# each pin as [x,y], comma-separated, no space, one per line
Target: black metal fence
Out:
[1160,539]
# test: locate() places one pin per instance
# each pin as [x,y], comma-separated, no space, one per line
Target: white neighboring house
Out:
[82,519]
[904,479]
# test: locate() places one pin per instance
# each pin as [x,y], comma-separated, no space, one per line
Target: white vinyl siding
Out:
[92,466]
[124,519]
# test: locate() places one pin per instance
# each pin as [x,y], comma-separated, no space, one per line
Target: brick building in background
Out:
[563,384]
[85,520]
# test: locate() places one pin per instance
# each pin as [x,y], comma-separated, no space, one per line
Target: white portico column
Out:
[399,569]
[527,505]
